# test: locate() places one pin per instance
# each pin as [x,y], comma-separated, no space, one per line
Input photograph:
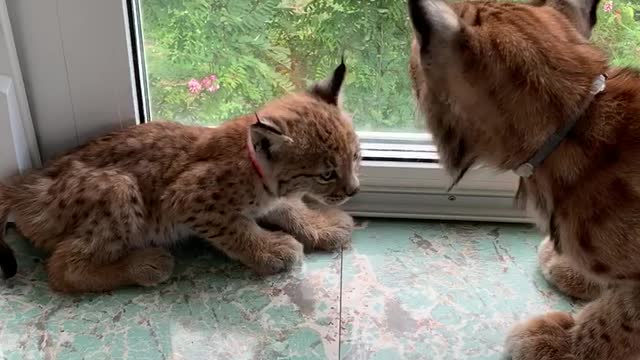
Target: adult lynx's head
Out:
[496,79]
[308,144]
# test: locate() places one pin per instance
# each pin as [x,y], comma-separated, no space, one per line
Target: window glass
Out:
[210,60]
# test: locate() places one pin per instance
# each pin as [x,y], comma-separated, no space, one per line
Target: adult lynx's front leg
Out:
[605,329]
[560,272]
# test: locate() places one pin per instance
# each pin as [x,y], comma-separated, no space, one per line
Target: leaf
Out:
[627,15]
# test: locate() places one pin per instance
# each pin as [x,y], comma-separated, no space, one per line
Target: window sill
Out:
[417,190]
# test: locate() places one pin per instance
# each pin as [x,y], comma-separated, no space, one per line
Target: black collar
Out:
[526,169]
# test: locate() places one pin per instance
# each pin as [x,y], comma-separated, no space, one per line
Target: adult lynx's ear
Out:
[329,89]
[267,138]
[434,23]
[582,13]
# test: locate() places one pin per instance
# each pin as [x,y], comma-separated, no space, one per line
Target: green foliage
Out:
[260,49]
[618,32]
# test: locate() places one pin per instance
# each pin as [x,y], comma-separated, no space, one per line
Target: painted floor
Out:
[406,290]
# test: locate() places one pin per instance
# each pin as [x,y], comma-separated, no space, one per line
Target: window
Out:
[207,61]
[203,61]
[210,60]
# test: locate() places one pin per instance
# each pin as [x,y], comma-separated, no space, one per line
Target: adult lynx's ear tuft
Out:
[583,13]
[434,22]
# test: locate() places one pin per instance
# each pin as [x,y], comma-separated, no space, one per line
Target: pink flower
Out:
[194,86]
[210,83]
[206,82]
[608,6]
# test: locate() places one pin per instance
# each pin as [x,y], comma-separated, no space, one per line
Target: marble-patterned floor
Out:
[406,290]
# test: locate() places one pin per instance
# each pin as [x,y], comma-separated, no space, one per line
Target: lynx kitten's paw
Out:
[279,252]
[337,232]
[151,266]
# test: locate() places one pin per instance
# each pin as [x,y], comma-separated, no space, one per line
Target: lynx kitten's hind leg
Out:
[100,247]
[72,271]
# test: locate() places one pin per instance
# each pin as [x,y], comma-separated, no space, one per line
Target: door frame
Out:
[18,144]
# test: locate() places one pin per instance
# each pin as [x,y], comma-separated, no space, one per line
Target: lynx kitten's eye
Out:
[329,175]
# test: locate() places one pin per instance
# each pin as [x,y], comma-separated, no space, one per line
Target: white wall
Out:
[75,59]
[18,145]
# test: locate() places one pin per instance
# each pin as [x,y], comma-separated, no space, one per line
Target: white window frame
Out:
[18,146]
[418,188]
[83,53]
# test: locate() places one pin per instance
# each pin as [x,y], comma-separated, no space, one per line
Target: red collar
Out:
[258,169]
[254,161]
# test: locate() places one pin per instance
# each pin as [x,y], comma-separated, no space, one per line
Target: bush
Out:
[211,60]
[618,31]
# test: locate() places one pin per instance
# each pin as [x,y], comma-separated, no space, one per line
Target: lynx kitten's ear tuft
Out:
[329,89]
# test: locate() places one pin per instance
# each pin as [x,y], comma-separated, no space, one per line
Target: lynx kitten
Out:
[106,210]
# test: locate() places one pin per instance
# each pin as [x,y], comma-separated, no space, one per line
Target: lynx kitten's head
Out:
[309,144]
